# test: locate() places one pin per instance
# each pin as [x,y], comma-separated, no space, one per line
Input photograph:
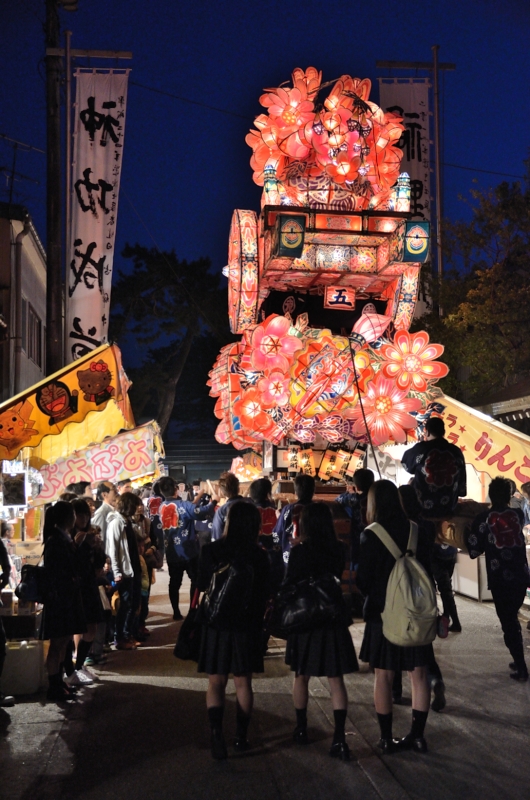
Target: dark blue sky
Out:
[186,166]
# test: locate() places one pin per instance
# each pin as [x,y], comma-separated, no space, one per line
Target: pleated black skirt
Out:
[382,654]
[323,652]
[230,652]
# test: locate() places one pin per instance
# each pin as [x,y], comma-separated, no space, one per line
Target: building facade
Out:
[22,302]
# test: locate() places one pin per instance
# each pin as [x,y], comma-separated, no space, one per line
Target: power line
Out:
[487,171]
[193,102]
[242,116]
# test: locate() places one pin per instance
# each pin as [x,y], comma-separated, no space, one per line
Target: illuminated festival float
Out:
[323,283]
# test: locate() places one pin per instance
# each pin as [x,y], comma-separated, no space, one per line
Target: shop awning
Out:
[489,446]
[132,454]
[79,405]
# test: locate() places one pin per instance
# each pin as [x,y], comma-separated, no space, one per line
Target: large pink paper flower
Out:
[289,108]
[386,408]
[274,389]
[409,360]
[272,346]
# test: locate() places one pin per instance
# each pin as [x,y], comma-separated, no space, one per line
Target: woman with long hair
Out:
[90,561]
[63,614]
[325,651]
[375,565]
[234,646]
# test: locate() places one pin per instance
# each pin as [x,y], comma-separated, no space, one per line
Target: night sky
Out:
[186,165]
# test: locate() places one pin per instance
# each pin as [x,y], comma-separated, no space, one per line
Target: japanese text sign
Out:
[98,154]
[410,99]
[128,455]
[339,297]
[488,445]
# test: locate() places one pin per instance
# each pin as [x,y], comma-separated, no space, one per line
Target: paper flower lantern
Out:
[272,346]
[386,408]
[345,137]
[409,360]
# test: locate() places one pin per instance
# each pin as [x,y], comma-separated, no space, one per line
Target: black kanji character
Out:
[90,271]
[81,347]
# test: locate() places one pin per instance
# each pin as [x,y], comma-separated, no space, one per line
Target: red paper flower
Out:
[386,408]
[409,360]
[250,412]
[272,346]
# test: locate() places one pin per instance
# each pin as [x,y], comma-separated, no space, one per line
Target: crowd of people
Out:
[101,557]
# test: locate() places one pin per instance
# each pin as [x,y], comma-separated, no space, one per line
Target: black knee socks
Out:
[340,721]
[215,717]
[385,725]
[242,722]
[419,718]
[68,658]
[301,717]
[82,652]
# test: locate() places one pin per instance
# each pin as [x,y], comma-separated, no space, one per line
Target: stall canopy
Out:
[489,446]
[132,454]
[80,405]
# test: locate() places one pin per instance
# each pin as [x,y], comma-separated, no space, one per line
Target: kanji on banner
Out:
[410,99]
[98,154]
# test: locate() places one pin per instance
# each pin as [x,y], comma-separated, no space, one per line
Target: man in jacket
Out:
[439,471]
[229,488]
[180,540]
[498,533]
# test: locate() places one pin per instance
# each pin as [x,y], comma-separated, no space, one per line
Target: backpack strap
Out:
[413,538]
[386,539]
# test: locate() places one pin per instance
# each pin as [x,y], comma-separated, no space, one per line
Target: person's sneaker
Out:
[95,661]
[88,673]
[455,628]
[125,644]
[438,690]
[6,700]
[74,679]
[177,616]
[397,699]
[84,678]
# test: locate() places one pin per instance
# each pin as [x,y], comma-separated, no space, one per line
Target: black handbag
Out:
[226,603]
[311,603]
[33,584]
[189,639]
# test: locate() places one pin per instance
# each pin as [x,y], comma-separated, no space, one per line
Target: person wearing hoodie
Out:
[122,549]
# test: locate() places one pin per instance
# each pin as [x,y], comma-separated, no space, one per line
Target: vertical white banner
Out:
[101,99]
[410,100]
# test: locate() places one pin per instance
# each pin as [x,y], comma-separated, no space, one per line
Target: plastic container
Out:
[24,668]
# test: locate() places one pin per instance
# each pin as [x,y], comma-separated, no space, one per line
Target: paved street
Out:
[141,732]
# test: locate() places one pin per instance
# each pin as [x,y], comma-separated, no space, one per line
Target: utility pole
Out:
[435,67]
[54,295]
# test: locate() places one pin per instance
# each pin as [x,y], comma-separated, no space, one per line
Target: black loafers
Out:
[410,742]
[340,750]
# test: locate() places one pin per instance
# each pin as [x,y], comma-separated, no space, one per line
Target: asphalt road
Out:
[141,731]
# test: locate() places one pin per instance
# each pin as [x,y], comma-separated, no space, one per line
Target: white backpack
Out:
[410,613]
